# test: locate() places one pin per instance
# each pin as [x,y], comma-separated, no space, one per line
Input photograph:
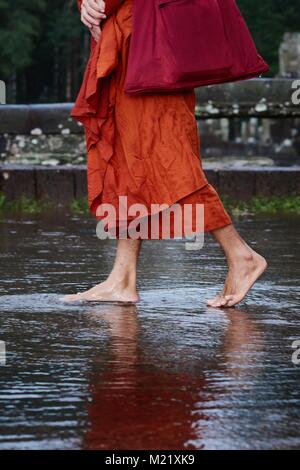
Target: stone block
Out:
[56,184]
[237,184]
[16,182]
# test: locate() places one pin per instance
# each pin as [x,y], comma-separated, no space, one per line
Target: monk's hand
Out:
[92,13]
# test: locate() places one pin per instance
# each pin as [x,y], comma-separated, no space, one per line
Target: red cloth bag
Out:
[181,44]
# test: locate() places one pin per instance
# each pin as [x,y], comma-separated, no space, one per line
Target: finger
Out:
[94,9]
[98,4]
[86,23]
[96,33]
[85,16]
[96,37]
[98,15]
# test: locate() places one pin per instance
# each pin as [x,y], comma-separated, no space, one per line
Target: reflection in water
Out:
[242,342]
[135,404]
[142,405]
[167,374]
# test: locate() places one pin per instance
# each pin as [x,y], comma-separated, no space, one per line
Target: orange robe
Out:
[145,147]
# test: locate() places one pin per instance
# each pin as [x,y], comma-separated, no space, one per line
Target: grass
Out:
[23,205]
[276,205]
[79,206]
[279,205]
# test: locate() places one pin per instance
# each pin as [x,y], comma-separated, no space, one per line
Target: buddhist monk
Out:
[146,147]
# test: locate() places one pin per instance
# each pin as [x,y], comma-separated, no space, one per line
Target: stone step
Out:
[63,184]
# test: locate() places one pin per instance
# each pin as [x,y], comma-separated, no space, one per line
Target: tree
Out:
[268,21]
[44,47]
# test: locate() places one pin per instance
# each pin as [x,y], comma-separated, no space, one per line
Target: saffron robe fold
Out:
[145,147]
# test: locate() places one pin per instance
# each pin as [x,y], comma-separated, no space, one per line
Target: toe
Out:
[213,302]
[231,300]
[223,302]
[217,302]
[71,297]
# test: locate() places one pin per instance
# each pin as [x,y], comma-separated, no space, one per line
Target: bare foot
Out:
[107,291]
[242,275]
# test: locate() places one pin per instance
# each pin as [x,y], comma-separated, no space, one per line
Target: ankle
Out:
[123,279]
[238,255]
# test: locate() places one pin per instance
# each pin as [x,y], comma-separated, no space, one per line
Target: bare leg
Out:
[120,285]
[245,266]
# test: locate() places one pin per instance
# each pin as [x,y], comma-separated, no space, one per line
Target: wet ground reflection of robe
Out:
[138,402]
[135,403]
[145,147]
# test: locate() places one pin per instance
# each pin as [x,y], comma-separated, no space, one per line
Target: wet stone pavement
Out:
[168,373]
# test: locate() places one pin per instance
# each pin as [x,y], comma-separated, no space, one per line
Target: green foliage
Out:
[284,205]
[276,205]
[19,30]
[268,20]
[79,206]
[2,202]
[41,50]
[24,205]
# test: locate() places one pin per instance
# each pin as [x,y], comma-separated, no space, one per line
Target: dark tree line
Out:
[44,47]
[43,50]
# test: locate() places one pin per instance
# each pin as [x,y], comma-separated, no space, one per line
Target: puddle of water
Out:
[168,373]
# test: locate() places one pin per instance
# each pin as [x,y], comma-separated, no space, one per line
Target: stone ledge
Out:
[65,183]
[262,97]
[48,118]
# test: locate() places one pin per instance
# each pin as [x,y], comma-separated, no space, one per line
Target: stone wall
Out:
[245,123]
[63,184]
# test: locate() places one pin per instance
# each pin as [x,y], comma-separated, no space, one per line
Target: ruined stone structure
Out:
[289,56]
[253,122]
